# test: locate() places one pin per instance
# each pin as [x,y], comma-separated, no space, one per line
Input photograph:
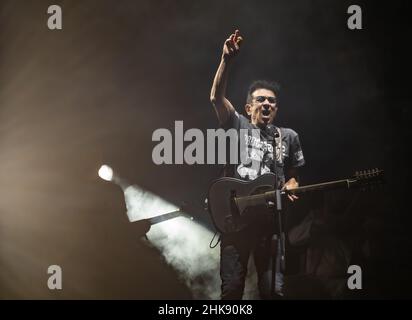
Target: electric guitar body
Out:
[221,200]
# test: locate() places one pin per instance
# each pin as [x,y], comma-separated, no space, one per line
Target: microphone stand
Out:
[278,241]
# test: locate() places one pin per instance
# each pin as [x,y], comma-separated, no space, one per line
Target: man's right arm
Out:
[222,105]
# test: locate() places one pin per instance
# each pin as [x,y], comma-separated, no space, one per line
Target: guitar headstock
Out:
[369,177]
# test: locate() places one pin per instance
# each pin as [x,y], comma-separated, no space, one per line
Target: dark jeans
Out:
[235,249]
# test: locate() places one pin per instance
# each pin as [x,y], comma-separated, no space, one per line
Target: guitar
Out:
[145,224]
[229,198]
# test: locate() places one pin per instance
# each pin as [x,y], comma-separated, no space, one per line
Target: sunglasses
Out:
[261,99]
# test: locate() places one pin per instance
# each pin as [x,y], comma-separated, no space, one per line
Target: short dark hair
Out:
[262,84]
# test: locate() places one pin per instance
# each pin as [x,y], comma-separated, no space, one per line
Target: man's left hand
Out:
[290,185]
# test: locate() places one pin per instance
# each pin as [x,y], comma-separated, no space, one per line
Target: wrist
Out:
[226,59]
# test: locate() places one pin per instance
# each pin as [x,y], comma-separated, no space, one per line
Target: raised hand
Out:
[232,45]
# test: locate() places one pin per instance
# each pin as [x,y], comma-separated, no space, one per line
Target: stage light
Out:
[183,242]
[106,173]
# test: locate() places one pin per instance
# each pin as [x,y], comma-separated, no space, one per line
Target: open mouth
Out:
[266,112]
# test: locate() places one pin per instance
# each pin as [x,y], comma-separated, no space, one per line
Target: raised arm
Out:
[218,98]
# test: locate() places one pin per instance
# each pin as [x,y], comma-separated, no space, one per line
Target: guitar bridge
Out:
[234,210]
[230,219]
[229,224]
[270,204]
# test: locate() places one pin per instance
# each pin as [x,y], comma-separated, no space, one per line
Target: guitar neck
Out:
[332,185]
[164,217]
[259,199]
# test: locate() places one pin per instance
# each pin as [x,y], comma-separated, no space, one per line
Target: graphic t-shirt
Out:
[257,154]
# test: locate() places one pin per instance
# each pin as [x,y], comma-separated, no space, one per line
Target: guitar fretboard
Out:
[164,217]
[338,184]
[259,199]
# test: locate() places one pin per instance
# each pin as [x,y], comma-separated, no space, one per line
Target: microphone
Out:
[272,131]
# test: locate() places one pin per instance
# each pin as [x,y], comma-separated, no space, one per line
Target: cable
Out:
[210,244]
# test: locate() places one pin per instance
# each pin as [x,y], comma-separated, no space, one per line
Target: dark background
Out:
[94,92]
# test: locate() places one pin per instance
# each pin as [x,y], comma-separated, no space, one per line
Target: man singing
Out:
[261,107]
